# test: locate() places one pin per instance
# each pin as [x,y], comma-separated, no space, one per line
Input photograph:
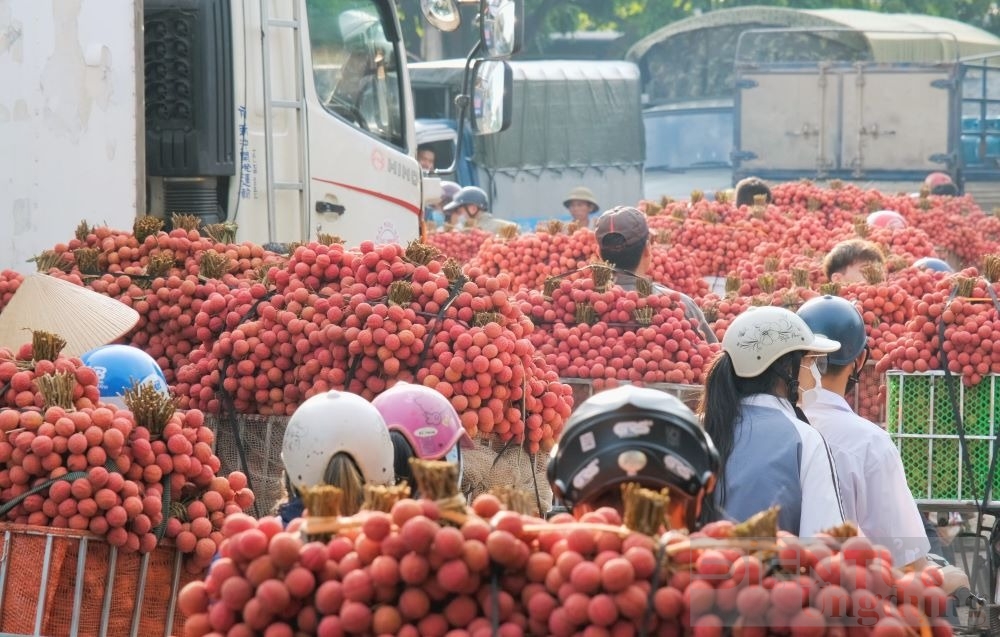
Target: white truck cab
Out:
[288,118]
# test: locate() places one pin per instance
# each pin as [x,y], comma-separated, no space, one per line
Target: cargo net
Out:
[255,449]
[798,45]
[920,418]
[674,73]
[494,465]
[584,388]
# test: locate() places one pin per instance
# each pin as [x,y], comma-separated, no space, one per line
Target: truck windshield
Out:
[688,139]
[356,67]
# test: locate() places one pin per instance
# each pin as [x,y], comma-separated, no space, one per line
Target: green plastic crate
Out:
[919,417]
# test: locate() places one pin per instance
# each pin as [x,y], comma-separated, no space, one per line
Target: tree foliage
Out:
[638,18]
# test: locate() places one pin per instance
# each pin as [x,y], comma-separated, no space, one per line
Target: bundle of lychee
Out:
[359,320]
[421,570]
[590,328]
[67,460]
[754,276]
[164,276]
[530,258]
[715,236]
[741,294]
[964,305]
[461,244]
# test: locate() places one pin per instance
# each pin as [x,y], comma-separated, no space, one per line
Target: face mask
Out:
[809,396]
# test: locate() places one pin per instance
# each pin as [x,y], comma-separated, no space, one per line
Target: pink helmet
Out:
[425,418]
[937,179]
[886,219]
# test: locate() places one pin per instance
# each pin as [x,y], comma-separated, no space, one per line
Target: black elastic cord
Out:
[950,383]
[654,586]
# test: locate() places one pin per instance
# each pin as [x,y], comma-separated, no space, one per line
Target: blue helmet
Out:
[930,263]
[119,367]
[836,318]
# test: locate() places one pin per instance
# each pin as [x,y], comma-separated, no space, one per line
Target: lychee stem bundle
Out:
[146,226]
[517,500]
[185,222]
[383,498]
[645,510]
[88,260]
[57,389]
[222,232]
[213,265]
[46,346]
[152,408]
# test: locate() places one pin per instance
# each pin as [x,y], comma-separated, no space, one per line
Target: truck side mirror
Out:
[491,96]
[501,28]
[442,14]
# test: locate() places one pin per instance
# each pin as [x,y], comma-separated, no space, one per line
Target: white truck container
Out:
[874,98]
[879,124]
[286,117]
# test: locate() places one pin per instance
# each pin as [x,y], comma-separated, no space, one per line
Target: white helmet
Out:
[761,335]
[334,422]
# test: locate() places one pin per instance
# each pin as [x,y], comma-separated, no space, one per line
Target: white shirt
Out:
[485,221]
[872,480]
[778,459]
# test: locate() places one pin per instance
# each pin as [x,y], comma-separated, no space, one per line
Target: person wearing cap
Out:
[582,204]
[339,439]
[872,480]
[623,240]
[769,454]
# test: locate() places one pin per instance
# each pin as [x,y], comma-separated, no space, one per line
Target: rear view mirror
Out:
[442,14]
[500,28]
[491,96]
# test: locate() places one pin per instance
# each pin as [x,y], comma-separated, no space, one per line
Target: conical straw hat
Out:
[80,316]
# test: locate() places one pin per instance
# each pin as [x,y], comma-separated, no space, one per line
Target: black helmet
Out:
[930,263]
[469,195]
[838,319]
[633,434]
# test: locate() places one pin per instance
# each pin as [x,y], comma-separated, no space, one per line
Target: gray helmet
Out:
[936,265]
[448,191]
[469,195]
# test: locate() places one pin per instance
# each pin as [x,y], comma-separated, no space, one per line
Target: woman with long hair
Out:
[769,453]
[337,439]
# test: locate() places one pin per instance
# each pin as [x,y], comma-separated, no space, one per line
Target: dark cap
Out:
[621,228]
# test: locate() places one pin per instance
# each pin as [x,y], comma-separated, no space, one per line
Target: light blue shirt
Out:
[779,460]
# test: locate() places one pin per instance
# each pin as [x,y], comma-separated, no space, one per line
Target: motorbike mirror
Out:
[442,14]
[500,28]
[491,96]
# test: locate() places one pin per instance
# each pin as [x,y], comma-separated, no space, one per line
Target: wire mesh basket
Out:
[920,418]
